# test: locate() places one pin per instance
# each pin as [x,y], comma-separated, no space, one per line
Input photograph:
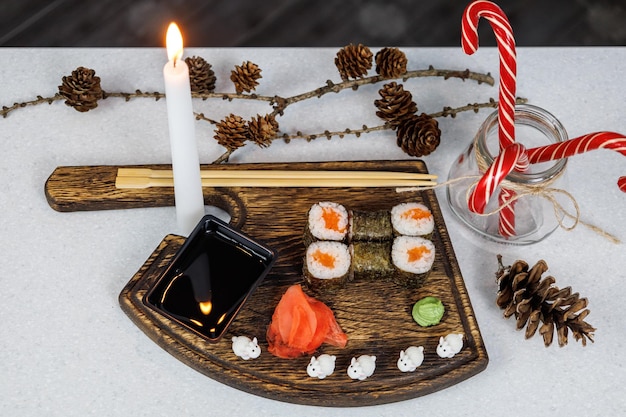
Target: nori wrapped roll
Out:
[370,226]
[326,266]
[413,258]
[371,260]
[326,220]
[412,219]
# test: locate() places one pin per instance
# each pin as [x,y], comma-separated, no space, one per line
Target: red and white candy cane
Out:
[507,200]
[506,218]
[506,106]
[598,140]
[508,59]
[507,160]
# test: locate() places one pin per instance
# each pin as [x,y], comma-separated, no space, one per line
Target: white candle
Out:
[185,161]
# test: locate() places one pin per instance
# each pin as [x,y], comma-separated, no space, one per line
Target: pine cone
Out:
[390,62]
[201,76]
[418,135]
[231,132]
[263,129]
[395,105]
[81,89]
[353,61]
[245,77]
[534,300]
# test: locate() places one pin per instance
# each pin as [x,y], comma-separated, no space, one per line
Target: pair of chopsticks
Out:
[145,178]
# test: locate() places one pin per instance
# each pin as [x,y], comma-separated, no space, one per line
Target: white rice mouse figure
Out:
[322,366]
[246,348]
[450,345]
[411,358]
[362,367]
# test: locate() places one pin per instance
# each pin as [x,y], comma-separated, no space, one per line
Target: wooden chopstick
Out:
[280,174]
[145,178]
[146,182]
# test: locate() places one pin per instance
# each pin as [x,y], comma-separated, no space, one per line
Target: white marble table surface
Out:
[66,347]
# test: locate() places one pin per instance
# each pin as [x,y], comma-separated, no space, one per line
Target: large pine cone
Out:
[263,129]
[231,132]
[353,61]
[418,135]
[396,104]
[81,89]
[245,77]
[201,76]
[390,62]
[534,300]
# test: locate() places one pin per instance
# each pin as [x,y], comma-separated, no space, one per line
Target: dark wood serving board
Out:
[376,316]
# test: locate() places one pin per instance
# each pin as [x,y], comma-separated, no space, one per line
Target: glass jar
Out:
[534,212]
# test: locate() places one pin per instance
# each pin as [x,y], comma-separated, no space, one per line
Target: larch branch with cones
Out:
[416,135]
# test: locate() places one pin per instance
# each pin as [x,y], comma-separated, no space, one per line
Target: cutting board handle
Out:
[87,188]
[229,201]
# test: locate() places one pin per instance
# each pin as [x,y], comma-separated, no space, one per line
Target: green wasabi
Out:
[428,311]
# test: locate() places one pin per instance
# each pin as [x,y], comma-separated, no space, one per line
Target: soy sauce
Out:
[211,278]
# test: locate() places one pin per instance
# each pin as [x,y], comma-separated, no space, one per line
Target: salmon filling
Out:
[416,214]
[416,253]
[331,219]
[323,258]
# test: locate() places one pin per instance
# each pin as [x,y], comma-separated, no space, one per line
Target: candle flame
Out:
[174,43]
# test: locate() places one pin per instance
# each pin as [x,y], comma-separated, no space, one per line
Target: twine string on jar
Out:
[543,189]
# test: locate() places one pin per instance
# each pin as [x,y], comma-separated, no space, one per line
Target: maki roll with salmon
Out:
[370,226]
[327,265]
[413,258]
[327,221]
[412,219]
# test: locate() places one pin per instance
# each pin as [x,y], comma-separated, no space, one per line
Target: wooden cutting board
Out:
[375,315]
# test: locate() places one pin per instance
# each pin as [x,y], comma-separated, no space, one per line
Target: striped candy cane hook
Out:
[508,59]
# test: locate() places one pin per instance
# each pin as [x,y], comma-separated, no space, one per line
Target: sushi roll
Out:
[327,221]
[370,226]
[413,258]
[327,265]
[412,219]
[371,260]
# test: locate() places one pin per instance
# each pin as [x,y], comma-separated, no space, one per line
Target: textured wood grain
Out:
[376,315]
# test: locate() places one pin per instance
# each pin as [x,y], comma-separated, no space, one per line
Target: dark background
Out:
[232,23]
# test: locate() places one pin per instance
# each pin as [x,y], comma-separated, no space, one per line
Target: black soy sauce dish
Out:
[210,278]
